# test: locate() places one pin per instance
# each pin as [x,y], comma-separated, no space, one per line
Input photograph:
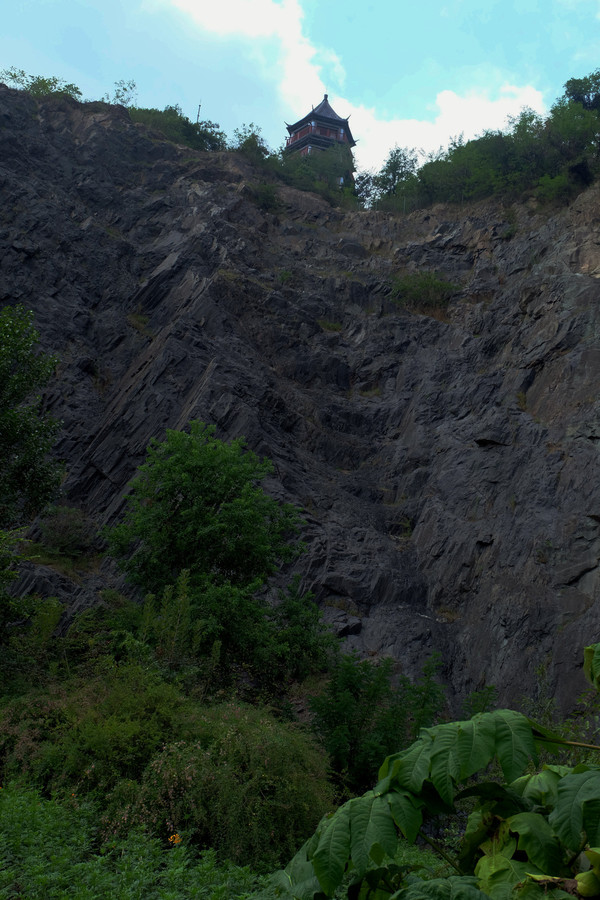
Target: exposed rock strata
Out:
[448,469]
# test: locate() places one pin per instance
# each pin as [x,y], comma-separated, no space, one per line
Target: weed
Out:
[326,325]
[422,291]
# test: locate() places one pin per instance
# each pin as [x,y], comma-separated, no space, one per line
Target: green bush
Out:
[196,504]
[84,737]
[50,849]
[556,190]
[66,531]
[363,715]
[248,784]
[178,128]
[422,290]
[29,478]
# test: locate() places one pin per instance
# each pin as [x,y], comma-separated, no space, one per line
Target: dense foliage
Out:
[529,835]
[49,849]
[176,127]
[196,504]
[39,85]
[364,714]
[29,477]
[552,158]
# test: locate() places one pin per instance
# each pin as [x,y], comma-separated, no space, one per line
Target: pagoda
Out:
[318,130]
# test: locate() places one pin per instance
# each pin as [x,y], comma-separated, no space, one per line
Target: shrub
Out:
[66,531]
[362,715]
[178,128]
[86,736]
[422,290]
[196,504]
[29,478]
[50,849]
[248,784]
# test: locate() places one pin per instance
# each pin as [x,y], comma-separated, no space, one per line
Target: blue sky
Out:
[409,73]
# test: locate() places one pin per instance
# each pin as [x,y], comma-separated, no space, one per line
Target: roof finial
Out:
[325,96]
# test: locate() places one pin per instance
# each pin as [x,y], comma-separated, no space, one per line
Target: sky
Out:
[411,73]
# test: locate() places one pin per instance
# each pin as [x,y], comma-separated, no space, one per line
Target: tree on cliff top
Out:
[39,85]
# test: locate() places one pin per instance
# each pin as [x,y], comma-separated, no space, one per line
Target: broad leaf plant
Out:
[530,834]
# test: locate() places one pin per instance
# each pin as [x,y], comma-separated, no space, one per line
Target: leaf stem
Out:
[565,742]
[438,849]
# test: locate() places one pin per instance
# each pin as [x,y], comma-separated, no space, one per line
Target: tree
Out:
[196,504]
[250,142]
[398,167]
[125,93]
[39,85]
[29,477]
[363,715]
[585,90]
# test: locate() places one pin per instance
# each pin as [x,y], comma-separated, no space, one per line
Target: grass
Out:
[140,322]
[69,566]
[326,325]
[50,850]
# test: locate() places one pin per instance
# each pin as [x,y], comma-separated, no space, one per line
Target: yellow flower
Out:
[175,839]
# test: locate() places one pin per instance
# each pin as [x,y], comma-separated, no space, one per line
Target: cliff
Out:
[447,466]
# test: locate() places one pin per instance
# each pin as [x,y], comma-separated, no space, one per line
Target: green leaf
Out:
[541,788]
[507,801]
[298,879]
[476,744]
[455,887]
[333,851]
[577,809]
[593,854]
[591,664]
[538,841]
[498,875]
[372,829]
[411,768]
[406,813]
[514,742]
[445,764]
[479,825]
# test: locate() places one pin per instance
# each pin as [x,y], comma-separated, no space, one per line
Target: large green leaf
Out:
[479,825]
[455,887]
[410,768]
[498,875]
[514,742]
[406,812]
[372,830]
[476,743]
[541,788]
[591,664]
[298,880]
[445,764]
[577,809]
[333,850]
[538,841]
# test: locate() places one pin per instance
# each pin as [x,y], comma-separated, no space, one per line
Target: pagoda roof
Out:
[324,112]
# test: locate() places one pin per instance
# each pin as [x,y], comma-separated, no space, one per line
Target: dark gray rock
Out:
[447,466]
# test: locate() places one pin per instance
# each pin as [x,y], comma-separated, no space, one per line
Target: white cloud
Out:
[298,73]
[298,79]
[470,115]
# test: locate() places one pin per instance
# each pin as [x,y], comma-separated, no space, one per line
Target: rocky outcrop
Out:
[447,466]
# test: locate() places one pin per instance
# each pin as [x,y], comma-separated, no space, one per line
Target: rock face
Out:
[447,466]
